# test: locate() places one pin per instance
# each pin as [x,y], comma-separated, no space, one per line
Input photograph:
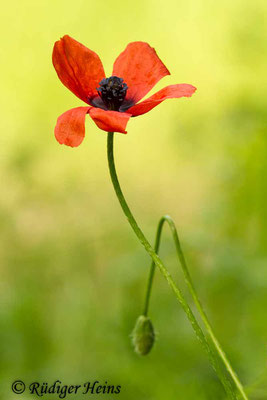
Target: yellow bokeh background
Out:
[73,274]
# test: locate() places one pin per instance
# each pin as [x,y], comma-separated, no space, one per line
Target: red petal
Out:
[141,69]
[110,121]
[78,68]
[169,92]
[70,127]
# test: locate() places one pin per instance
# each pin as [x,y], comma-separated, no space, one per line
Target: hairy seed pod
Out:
[143,335]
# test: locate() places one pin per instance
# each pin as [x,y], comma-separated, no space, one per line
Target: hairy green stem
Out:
[157,261]
[189,282]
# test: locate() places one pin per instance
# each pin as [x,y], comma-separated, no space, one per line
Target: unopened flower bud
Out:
[143,335]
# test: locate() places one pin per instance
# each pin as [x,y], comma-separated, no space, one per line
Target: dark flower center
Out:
[112,91]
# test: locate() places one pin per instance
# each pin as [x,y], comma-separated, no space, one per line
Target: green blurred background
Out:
[73,274]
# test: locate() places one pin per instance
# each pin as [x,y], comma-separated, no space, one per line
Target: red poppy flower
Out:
[111,101]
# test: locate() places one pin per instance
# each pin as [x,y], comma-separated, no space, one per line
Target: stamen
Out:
[112,91]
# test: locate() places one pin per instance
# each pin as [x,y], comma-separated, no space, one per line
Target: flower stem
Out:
[190,285]
[157,261]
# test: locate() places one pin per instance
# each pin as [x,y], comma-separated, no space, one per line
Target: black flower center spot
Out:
[112,92]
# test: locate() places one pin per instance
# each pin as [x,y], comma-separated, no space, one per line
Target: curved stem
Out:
[197,329]
[189,282]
